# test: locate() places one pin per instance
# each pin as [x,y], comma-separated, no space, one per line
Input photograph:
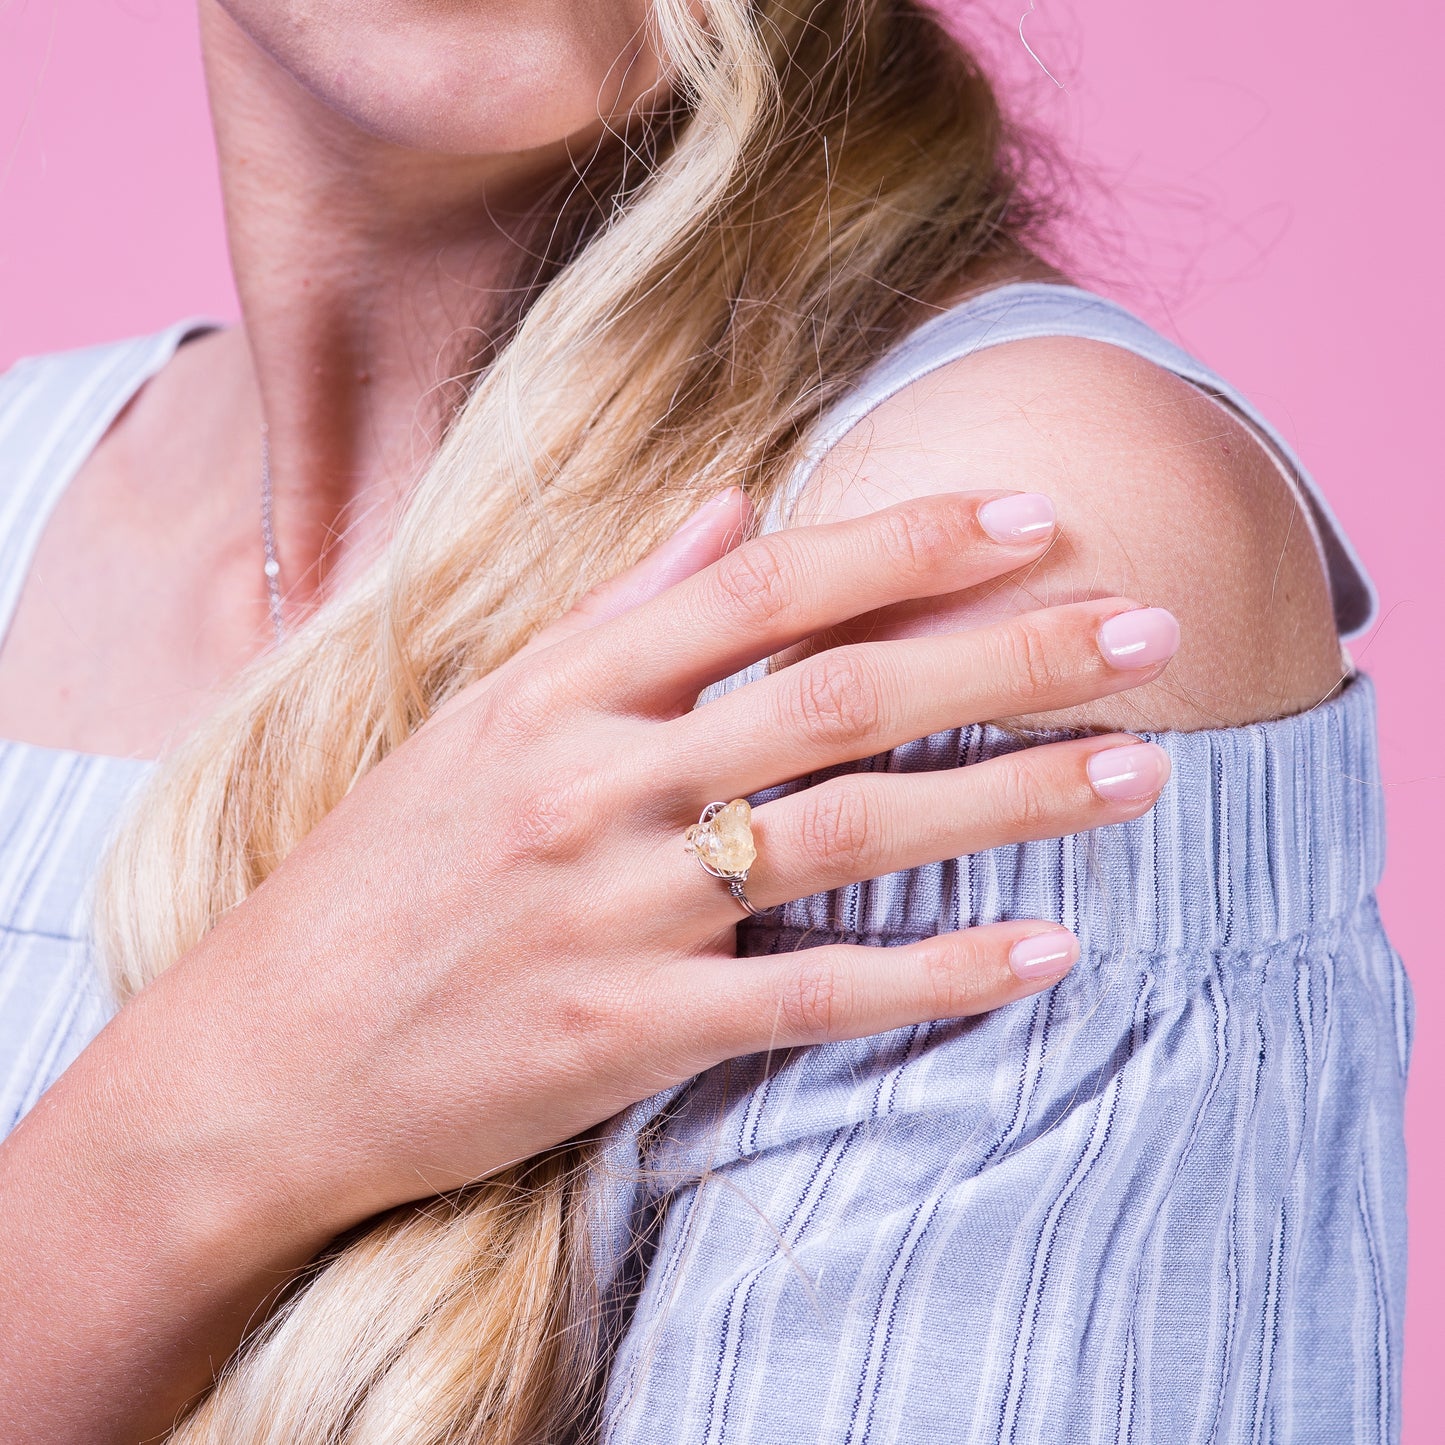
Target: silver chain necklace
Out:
[268,538]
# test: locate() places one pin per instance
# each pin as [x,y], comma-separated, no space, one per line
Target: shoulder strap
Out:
[54,409]
[1024,310]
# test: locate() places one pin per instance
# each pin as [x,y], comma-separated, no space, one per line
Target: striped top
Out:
[56,806]
[1162,1201]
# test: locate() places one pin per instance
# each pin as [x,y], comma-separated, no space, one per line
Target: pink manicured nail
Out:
[1022,518]
[1140,638]
[706,511]
[1129,773]
[1044,955]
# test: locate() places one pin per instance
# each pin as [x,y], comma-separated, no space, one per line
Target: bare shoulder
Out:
[1162,496]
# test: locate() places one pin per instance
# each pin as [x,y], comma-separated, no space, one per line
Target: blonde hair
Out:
[717,275]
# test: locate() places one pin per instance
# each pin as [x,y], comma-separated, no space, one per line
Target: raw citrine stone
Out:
[725,842]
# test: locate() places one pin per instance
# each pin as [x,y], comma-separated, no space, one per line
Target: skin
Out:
[363,152]
[1161,495]
[359,207]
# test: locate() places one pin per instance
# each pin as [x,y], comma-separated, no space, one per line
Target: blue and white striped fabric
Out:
[1162,1202]
[56,807]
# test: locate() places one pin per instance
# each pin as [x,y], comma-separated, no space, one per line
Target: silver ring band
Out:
[739,891]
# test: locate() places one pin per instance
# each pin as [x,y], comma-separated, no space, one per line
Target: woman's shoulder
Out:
[80,362]
[96,363]
[55,404]
[1164,495]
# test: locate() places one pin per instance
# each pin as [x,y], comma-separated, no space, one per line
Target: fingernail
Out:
[1022,517]
[1129,773]
[1044,955]
[705,512]
[1140,638]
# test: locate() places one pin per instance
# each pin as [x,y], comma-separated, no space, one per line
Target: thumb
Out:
[711,532]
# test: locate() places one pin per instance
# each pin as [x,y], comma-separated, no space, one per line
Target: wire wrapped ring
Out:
[722,842]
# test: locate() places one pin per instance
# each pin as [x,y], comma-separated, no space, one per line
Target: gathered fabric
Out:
[1162,1201]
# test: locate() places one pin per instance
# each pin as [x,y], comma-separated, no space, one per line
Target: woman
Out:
[407,902]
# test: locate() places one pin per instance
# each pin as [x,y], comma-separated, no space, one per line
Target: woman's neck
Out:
[361,266]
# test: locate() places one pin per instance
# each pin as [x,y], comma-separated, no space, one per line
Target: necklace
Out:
[272,568]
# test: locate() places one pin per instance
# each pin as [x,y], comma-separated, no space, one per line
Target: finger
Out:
[852,702]
[847,991]
[863,825]
[711,532]
[785,586]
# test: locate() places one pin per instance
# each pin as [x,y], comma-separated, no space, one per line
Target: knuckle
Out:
[558,819]
[832,699]
[902,539]
[836,825]
[950,980]
[1028,807]
[755,580]
[1029,658]
[916,539]
[815,1003]
[524,708]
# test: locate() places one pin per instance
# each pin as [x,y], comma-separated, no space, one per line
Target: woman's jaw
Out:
[459,77]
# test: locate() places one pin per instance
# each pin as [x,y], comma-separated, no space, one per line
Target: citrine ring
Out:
[722,841]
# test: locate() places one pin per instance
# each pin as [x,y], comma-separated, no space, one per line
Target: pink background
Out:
[1263,183]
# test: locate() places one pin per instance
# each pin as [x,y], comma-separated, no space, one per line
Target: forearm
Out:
[142,1231]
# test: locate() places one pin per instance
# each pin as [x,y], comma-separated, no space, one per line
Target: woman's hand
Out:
[498,939]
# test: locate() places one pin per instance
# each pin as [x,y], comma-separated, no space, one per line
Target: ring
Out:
[722,841]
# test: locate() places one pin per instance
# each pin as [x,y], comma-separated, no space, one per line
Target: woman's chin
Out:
[453,85]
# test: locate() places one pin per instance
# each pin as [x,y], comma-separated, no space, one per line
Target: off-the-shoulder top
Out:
[1162,1201]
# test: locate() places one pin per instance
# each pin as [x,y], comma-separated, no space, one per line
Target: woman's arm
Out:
[152,1203]
[496,940]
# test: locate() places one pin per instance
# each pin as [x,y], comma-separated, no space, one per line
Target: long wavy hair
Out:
[695,294]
